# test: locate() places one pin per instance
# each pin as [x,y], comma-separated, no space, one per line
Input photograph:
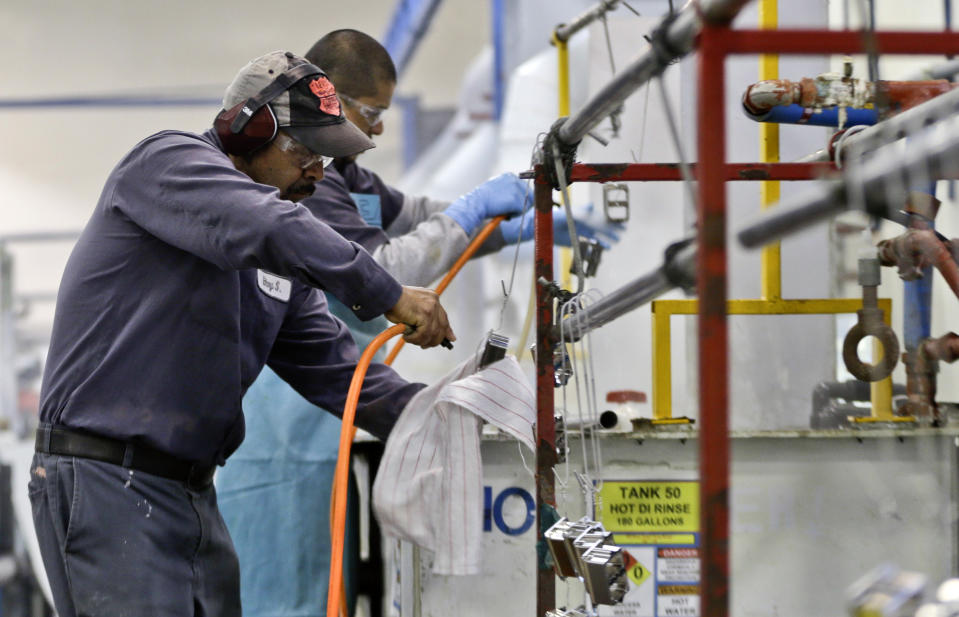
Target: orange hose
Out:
[341,475]
[336,593]
[457,266]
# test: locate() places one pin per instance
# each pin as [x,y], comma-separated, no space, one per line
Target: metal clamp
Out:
[495,348]
[616,202]
[605,574]
[562,367]
[562,446]
[592,251]
[556,541]
[580,549]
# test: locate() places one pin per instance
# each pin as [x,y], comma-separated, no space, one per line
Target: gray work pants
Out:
[123,543]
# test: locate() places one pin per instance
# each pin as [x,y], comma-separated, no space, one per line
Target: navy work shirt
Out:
[334,202]
[189,277]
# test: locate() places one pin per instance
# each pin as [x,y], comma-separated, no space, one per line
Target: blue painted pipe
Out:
[917,299]
[917,309]
[499,57]
[410,22]
[112,101]
[827,116]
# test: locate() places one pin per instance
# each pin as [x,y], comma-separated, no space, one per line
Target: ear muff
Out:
[251,124]
[255,133]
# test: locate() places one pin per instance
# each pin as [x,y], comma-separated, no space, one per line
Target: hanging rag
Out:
[429,487]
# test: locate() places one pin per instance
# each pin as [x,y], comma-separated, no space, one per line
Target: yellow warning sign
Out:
[638,573]
[678,590]
[652,506]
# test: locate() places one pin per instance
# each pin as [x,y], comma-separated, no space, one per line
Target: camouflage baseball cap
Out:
[307,110]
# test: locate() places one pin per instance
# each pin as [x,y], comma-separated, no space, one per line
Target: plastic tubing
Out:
[336,596]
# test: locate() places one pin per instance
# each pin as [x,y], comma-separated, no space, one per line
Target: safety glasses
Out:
[303,155]
[370,113]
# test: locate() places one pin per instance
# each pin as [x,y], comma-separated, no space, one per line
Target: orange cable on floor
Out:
[336,593]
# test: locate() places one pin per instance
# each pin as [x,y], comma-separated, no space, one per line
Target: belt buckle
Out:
[199,476]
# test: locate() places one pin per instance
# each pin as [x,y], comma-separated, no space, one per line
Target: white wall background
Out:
[53,161]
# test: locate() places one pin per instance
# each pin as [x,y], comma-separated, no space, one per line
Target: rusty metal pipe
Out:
[672,39]
[831,90]
[942,349]
[922,365]
[917,249]
[920,386]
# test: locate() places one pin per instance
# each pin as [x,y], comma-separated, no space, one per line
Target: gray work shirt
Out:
[411,237]
[189,277]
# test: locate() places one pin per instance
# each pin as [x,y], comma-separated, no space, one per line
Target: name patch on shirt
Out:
[273,285]
[369,207]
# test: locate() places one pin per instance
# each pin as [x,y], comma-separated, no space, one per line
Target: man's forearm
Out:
[424,254]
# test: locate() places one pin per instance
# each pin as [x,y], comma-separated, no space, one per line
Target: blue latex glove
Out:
[504,194]
[516,229]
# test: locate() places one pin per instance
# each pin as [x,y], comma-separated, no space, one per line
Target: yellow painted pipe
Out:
[562,95]
[663,310]
[771,267]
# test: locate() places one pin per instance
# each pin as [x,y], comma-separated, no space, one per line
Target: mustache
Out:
[301,188]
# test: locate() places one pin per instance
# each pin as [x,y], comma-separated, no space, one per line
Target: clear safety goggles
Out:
[305,157]
[373,115]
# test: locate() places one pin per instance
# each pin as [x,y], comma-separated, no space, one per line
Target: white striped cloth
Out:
[429,486]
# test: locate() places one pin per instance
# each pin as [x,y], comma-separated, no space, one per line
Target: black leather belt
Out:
[69,442]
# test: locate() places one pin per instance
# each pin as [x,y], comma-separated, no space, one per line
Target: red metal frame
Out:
[820,42]
[618,172]
[545,425]
[713,331]
[712,172]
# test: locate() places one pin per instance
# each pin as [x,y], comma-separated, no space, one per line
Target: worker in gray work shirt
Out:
[195,269]
[416,239]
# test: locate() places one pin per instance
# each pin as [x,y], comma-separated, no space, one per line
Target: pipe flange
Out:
[866,371]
